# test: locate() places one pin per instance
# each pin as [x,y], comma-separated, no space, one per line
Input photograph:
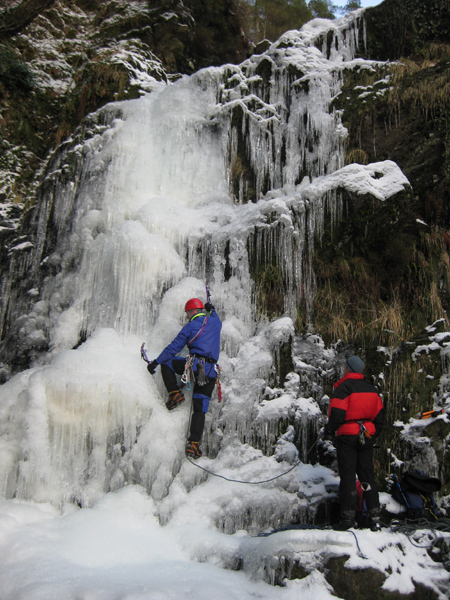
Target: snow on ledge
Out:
[381,180]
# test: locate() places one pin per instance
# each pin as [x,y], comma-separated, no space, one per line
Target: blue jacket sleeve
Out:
[175,346]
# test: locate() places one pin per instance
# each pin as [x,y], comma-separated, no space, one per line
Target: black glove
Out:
[209,307]
[327,434]
[151,367]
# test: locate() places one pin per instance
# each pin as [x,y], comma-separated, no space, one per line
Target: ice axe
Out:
[208,295]
[144,354]
[431,414]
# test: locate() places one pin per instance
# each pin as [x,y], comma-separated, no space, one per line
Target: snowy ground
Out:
[118,550]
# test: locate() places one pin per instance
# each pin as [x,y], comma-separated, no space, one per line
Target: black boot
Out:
[193,450]
[375,521]
[343,525]
[175,398]
[375,525]
[347,521]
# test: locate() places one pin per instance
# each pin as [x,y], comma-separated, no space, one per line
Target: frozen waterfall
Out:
[195,182]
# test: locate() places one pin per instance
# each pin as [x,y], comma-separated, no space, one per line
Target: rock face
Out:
[392,264]
[18,15]
[409,125]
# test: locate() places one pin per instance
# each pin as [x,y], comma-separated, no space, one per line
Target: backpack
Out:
[415,491]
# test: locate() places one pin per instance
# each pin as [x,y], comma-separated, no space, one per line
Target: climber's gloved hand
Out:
[209,307]
[151,367]
[326,434]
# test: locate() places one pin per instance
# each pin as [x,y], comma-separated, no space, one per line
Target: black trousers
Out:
[355,459]
[200,392]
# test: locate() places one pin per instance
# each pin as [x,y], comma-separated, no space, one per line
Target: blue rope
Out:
[240,481]
[317,527]
[250,482]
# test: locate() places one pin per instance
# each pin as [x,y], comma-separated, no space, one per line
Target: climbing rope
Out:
[306,527]
[239,480]
[409,527]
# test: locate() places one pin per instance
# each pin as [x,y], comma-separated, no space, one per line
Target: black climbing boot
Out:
[192,450]
[343,525]
[375,525]
[175,398]
[347,521]
[375,522]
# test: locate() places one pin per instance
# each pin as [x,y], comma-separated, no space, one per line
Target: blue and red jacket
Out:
[202,337]
[353,400]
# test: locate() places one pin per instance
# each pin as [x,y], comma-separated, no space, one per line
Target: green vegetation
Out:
[270,290]
[47,88]
[15,18]
[268,19]
[383,273]
[386,269]
[95,85]
[15,74]
[322,8]
[398,29]
[205,29]
[381,276]
[197,34]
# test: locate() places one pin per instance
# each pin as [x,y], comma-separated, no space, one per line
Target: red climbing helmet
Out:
[193,303]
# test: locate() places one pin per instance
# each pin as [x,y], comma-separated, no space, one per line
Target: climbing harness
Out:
[363,433]
[201,376]
[188,374]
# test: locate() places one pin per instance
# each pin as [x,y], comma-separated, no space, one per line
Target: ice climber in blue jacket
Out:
[201,335]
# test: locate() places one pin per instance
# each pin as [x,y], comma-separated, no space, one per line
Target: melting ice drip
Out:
[145,218]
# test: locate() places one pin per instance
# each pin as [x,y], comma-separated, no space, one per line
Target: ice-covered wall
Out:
[135,214]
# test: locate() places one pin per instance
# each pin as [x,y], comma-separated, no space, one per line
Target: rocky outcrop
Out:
[19,15]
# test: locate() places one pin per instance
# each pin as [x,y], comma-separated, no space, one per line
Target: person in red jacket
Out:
[356,416]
